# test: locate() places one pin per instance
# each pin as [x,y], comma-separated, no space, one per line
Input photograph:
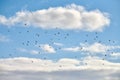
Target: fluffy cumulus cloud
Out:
[92,48]
[47,48]
[23,68]
[72,17]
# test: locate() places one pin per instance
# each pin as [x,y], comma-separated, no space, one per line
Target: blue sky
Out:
[60,29]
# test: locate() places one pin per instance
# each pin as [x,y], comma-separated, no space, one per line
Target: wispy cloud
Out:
[73,17]
[47,48]
[58,44]
[28,51]
[92,48]
[4,38]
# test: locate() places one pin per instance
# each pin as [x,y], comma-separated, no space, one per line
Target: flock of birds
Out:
[27,43]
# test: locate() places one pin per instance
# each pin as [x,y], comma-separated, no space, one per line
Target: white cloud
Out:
[115,54]
[92,48]
[66,69]
[33,64]
[47,48]
[28,51]
[95,48]
[73,17]
[58,44]
[97,63]
[64,75]
[4,38]
[74,49]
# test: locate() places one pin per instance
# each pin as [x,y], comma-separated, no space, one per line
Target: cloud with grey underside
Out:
[70,17]
[64,75]
[22,68]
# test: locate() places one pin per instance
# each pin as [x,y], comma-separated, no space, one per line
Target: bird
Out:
[8,30]
[113,41]
[99,41]
[27,44]
[36,42]
[37,35]
[75,56]
[46,32]
[23,43]
[28,41]
[55,34]
[25,24]
[60,66]
[96,33]
[96,36]
[65,37]
[32,61]
[58,32]
[105,55]
[67,34]
[59,48]
[44,58]
[86,64]
[85,40]
[27,31]
[86,35]
[19,32]
[10,54]
[81,48]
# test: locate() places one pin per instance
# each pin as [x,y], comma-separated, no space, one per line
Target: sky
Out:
[59,40]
